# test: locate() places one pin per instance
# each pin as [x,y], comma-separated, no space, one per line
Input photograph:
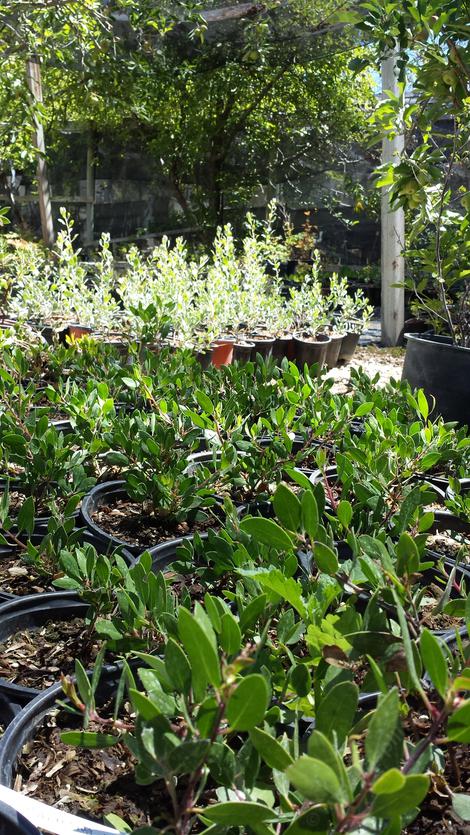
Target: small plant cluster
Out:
[299,661]
[235,289]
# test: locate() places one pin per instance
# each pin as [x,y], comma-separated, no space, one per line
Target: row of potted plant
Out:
[231,296]
[279,641]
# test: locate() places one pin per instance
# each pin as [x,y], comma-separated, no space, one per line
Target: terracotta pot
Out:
[311,350]
[222,352]
[333,350]
[263,345]
[77,331]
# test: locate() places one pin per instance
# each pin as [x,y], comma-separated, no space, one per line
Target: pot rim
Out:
[435,339]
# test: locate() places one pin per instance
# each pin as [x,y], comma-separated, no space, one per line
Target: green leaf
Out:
[320,748]
[434,661]
[251,613]
[310,515]
[247,704]
[177,666]
[364,409]
[230,635]
[300,679]
[316,821]
[188,756]
[86,739]
[267,532]
[164,702]
[83,683]
[143,706]
[222,764]
[337,709]
[388,782]
[408,554]
[325,558]
[287,507]
[461,805]
[238,813]
[344,513]
[200,649]
[407,644]
[423,406]
[25,519]
[315,780]
[271,751]
[204,401]
[458,726]
[287,588]
[407,798]
[385,736]
[107,629]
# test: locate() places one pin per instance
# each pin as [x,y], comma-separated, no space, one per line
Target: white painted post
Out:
[33,76]
[393,230]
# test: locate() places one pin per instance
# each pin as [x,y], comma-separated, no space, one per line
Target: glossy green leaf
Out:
[325,558]
[434,661]
[287,507]
[315,780]
[248,703]
[267,532]
[270,749]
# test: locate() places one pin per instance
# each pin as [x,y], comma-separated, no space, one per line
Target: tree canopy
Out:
[221,106]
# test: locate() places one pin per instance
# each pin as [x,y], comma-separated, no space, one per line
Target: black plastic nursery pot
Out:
[31,612]
[464,488]
[263,345]
[22,728]
[108,491]
[348,347]
[243,351]
[333,349]
[284,346]
[445,521]
[13,823]
[442,370]
[112,492]
[311,350]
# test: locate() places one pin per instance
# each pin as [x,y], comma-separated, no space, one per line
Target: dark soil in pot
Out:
[17,496]
[114,518]
[36,658]
[19,578]
[76,780]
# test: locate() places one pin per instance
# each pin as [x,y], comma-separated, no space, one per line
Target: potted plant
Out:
[426,180]
[310,318]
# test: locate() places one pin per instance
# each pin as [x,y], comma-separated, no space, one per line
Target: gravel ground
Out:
[387,362]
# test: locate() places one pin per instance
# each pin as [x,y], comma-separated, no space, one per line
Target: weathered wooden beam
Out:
[393,229]
[33,77]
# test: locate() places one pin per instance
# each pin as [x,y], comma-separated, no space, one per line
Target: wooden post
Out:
[33,76]
[90,191]
[393,230]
